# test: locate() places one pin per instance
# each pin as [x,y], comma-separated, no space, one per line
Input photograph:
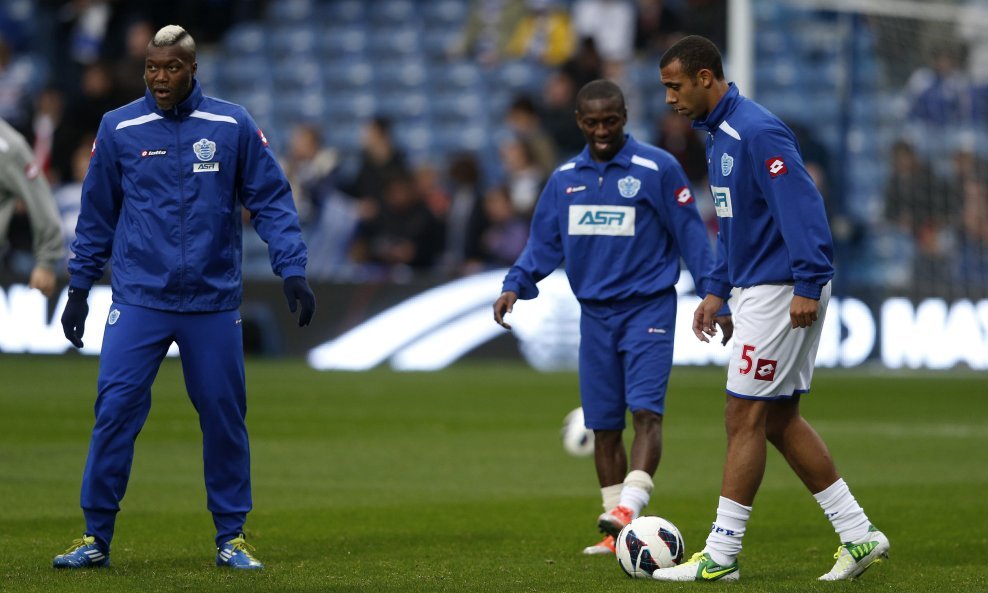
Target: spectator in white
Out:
[21,179]
[611,23]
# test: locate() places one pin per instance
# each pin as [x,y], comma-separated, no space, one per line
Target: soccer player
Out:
[20,177]
[775,249]
[162,201]
[620,214]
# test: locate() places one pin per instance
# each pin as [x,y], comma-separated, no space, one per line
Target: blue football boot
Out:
[236,553]
[84,553]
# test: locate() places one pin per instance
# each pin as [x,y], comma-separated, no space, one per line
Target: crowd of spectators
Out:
[375,214]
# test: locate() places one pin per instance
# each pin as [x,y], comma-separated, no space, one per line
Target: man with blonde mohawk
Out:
[162,203]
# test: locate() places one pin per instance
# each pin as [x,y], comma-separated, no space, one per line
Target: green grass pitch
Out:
[456,481]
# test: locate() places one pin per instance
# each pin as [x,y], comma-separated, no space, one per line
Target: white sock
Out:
[611,495]
[845,514]
[637,491]
[724,541]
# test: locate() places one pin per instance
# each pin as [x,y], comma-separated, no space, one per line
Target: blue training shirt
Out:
[620,226]
[162,202]
[773,225]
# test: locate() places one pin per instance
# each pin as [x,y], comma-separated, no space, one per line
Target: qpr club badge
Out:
[205,149]
[726,164]
[629,186]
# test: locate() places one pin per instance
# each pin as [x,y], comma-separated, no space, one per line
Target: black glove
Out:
[297,291]
[74,315]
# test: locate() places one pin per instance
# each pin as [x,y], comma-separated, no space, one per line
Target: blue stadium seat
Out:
[354,73]
[344,133]
[246,39]
[404,105]
[413,137]
[356,105]
[245,73]
[436,43]
[296,40]
[343,41]
[443,14]
[297,106]
[291,11]
[341,12]
[460,74]
[291,75]
[458,106]
[259,103]
[395,41]
[521,75]
[392,11]
[455,137]
[400,73]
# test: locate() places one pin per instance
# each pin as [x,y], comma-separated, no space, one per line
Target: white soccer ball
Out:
[647,544]
[577,438]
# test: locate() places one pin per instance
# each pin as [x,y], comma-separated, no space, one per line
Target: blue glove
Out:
[74,315]
[297,291]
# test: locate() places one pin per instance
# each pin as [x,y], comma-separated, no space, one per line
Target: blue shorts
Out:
[625,358]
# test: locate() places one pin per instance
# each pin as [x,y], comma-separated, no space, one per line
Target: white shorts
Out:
[771,360]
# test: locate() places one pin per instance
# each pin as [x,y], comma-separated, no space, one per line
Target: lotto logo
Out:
[765,369]
[684,196]
[776,166]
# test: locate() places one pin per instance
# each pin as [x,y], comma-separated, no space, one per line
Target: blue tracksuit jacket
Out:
[773,225]
[162,201]
[620,226]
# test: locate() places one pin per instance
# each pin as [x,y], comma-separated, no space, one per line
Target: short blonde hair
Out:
[174,35]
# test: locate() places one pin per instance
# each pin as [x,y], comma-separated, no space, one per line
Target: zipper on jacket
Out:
[181,204]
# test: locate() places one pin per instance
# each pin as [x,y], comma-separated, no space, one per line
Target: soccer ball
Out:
[577,438]
[647,544]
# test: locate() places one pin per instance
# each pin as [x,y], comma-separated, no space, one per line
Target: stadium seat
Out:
[457,75]
[245,39]
[400,73]
[344,133]
[242,74]
[294,105]
[297,75]
[413,138]
[444,13]
[291,11]
[296,40]
[403,105]
[341,12]
[521,75]
[395,41]
[354,73]
[392,12]
[343,41]
[355,105]
[437,42]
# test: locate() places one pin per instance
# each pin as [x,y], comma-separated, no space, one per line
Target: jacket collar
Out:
[719,113]
[187,106]
[622,158]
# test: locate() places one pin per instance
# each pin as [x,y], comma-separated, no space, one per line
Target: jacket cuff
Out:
[523,292]
[289,271]
[808,290]
[720,289]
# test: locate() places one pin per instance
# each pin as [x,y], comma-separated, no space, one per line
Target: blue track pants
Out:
[134,344]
